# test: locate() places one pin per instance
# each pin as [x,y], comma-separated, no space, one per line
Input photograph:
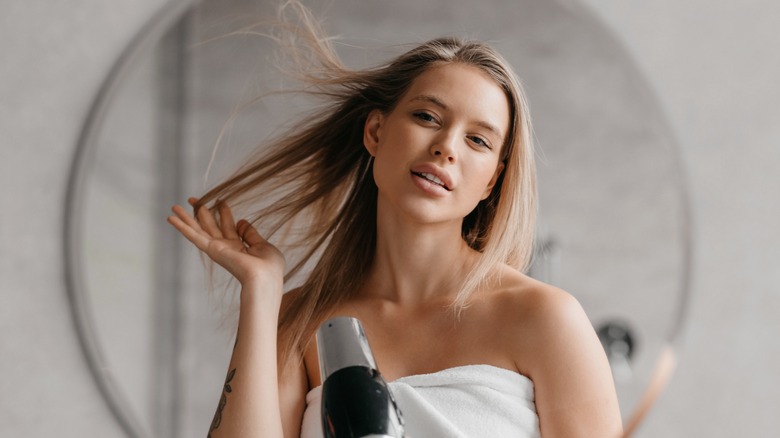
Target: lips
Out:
[434,174]
[431,177]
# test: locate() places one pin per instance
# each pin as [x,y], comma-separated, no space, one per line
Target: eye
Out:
[425,116]
[479,141]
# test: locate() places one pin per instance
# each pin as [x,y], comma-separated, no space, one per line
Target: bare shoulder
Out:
[540,308]
[545,321]
[554,343]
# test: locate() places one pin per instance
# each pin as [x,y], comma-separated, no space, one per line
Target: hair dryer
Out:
[356,401]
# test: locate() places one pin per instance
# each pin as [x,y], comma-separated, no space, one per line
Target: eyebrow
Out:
[436,101]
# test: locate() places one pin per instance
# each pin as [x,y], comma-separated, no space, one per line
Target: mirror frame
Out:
[141,43]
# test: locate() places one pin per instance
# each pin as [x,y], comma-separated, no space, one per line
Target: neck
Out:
[417,264]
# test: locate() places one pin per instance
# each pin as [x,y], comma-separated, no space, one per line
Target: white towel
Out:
[462,402]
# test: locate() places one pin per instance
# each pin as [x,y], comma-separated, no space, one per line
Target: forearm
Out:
[249,404]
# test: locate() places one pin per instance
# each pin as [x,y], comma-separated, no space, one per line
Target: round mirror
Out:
[613,219]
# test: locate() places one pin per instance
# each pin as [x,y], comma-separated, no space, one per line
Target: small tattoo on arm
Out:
[222,402]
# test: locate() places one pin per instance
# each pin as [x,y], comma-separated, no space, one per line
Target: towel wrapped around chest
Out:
[462,402]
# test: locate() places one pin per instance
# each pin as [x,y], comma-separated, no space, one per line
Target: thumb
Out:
[249,234]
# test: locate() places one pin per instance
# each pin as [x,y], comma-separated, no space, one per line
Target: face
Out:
[437,152]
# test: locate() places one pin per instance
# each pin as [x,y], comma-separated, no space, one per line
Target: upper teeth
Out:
[431,177]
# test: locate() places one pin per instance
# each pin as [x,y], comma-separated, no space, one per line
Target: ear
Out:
[492,183]
[372,131]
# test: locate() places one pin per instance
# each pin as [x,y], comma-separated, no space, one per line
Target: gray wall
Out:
[711,63]
[54,55]
[715,66]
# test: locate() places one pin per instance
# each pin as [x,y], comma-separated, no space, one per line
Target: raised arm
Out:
[254,401]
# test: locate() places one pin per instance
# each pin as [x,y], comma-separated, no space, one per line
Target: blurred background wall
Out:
[712,65]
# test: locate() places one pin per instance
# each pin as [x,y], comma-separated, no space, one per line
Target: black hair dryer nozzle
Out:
[356,401]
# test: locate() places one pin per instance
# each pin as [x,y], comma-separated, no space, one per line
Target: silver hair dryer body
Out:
[356,401]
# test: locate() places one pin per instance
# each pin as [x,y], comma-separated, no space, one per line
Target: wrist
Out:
[266,292]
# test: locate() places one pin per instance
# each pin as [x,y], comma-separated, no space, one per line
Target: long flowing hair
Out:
[319,174]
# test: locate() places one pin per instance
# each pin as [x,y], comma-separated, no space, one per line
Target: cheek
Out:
[384,163]
[392,156]
[483,174]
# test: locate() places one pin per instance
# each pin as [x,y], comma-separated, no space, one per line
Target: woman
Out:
[416,190]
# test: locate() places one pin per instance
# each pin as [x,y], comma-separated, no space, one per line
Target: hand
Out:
[237,247]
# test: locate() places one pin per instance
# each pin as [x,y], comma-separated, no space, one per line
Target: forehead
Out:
[465,90]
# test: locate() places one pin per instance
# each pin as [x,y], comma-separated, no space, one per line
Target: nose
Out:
[444,146]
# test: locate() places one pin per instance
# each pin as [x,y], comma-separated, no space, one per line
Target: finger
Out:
[186,218]
[193,219]
[249,234]
[197,238]
[206,219]
[226,221]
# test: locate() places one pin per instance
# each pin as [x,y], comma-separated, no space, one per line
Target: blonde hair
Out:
[321,174]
